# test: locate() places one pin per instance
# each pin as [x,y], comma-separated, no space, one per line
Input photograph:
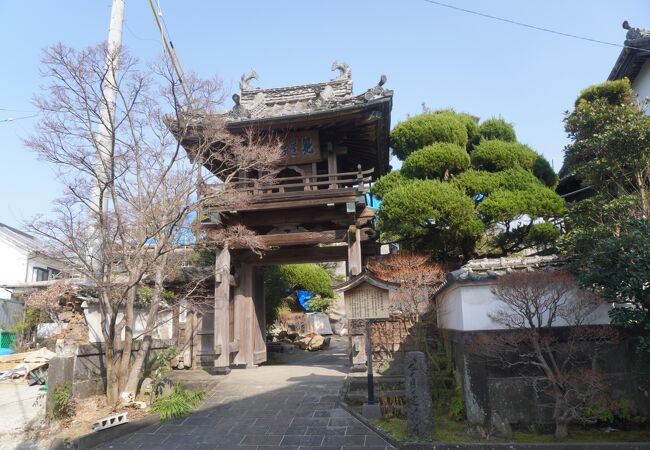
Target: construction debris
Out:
[111,421]
[30,366]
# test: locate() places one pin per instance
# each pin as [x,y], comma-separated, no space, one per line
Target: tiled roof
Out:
[490,268]
[257,103]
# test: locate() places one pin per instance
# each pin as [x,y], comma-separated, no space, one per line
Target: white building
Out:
[22,260]
[466,302]
[634,61]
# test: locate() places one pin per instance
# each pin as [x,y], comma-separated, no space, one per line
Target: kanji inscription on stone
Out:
[366,302]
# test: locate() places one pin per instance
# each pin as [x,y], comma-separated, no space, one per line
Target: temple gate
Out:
[317,209]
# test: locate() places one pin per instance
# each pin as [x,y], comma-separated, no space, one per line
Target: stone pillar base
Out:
[371,411]
[217,370]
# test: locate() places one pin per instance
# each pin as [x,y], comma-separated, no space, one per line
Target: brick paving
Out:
[291,405]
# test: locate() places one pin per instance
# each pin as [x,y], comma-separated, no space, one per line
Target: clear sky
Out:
[430,54]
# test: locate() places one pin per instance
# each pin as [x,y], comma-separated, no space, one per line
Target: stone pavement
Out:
[289,405]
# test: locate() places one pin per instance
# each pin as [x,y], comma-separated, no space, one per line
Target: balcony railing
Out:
[296,186]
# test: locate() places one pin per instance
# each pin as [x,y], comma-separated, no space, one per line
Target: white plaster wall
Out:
[162,331]
[641,84]
[13,266]
[450,309]
[468,306]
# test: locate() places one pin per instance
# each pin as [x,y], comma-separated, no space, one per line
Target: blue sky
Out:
[430,54]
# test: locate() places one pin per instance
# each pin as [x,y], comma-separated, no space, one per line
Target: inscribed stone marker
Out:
[419,415]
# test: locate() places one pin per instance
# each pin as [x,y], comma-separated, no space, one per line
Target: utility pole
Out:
[104,135]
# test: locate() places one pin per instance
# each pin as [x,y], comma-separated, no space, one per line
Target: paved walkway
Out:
[291,405]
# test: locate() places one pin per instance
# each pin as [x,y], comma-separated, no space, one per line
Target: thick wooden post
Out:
[354,251]
[245,322]
[259,327]
[222,311]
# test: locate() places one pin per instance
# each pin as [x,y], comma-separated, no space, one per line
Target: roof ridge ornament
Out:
[345,73]
[634,33]
[246,78]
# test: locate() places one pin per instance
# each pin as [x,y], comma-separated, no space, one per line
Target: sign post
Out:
[367,298]
[371,384]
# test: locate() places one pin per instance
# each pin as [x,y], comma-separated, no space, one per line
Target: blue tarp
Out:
[304,297]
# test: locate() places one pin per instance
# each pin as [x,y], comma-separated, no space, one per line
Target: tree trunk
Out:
[127,345]
[561,429]
[135,371]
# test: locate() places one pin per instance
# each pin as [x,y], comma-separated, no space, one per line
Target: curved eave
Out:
[630,60]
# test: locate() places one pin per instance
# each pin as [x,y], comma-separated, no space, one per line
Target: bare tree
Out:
[154,188]
[413,300]
[561,362]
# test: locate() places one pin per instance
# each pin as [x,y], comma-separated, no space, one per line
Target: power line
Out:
[534,27]
[13,119]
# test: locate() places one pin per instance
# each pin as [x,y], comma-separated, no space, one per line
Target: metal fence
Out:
[11,312]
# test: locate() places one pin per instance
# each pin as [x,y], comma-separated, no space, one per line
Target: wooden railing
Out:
[359,180]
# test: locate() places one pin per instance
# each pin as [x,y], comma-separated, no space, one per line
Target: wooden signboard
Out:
[366,301]
[301,147]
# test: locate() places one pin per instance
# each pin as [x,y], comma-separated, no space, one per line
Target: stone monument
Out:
[419,414]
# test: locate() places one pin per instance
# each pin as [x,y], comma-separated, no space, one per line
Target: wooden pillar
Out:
[222,311]
[331,165]
[259,327]
[245,317]
[354,251]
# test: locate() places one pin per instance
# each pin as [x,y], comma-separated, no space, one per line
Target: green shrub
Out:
[497,128]
[319,304]
[179,403]
[616,411]
[496,155]
[544,172]
[62,406]
[474,182]
[387,183]
[457,407]
[614,92]
[519,180]
[430,215]
[436,161]
[280,280]
[310,277]
[425,129]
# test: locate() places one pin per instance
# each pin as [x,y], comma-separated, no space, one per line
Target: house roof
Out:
[635,54]
[263,103]
[491,268]
[19,238]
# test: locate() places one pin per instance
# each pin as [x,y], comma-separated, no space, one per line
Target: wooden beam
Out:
[297,216]
[222,309]
[346,195]
[296,255]
[303,238]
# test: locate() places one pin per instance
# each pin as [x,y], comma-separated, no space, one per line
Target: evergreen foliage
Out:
[387,183]
[431,215]
[279,281]
[436,161]
[496,155]
[609,232]
[498,129]
[425,129]
[443,198]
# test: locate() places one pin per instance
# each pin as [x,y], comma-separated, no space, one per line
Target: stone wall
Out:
[89,369]
[491,389]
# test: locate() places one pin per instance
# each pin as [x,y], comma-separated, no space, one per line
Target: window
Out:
[41,274]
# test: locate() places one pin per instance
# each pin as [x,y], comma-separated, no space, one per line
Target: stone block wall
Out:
[491,389]
[89,370]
